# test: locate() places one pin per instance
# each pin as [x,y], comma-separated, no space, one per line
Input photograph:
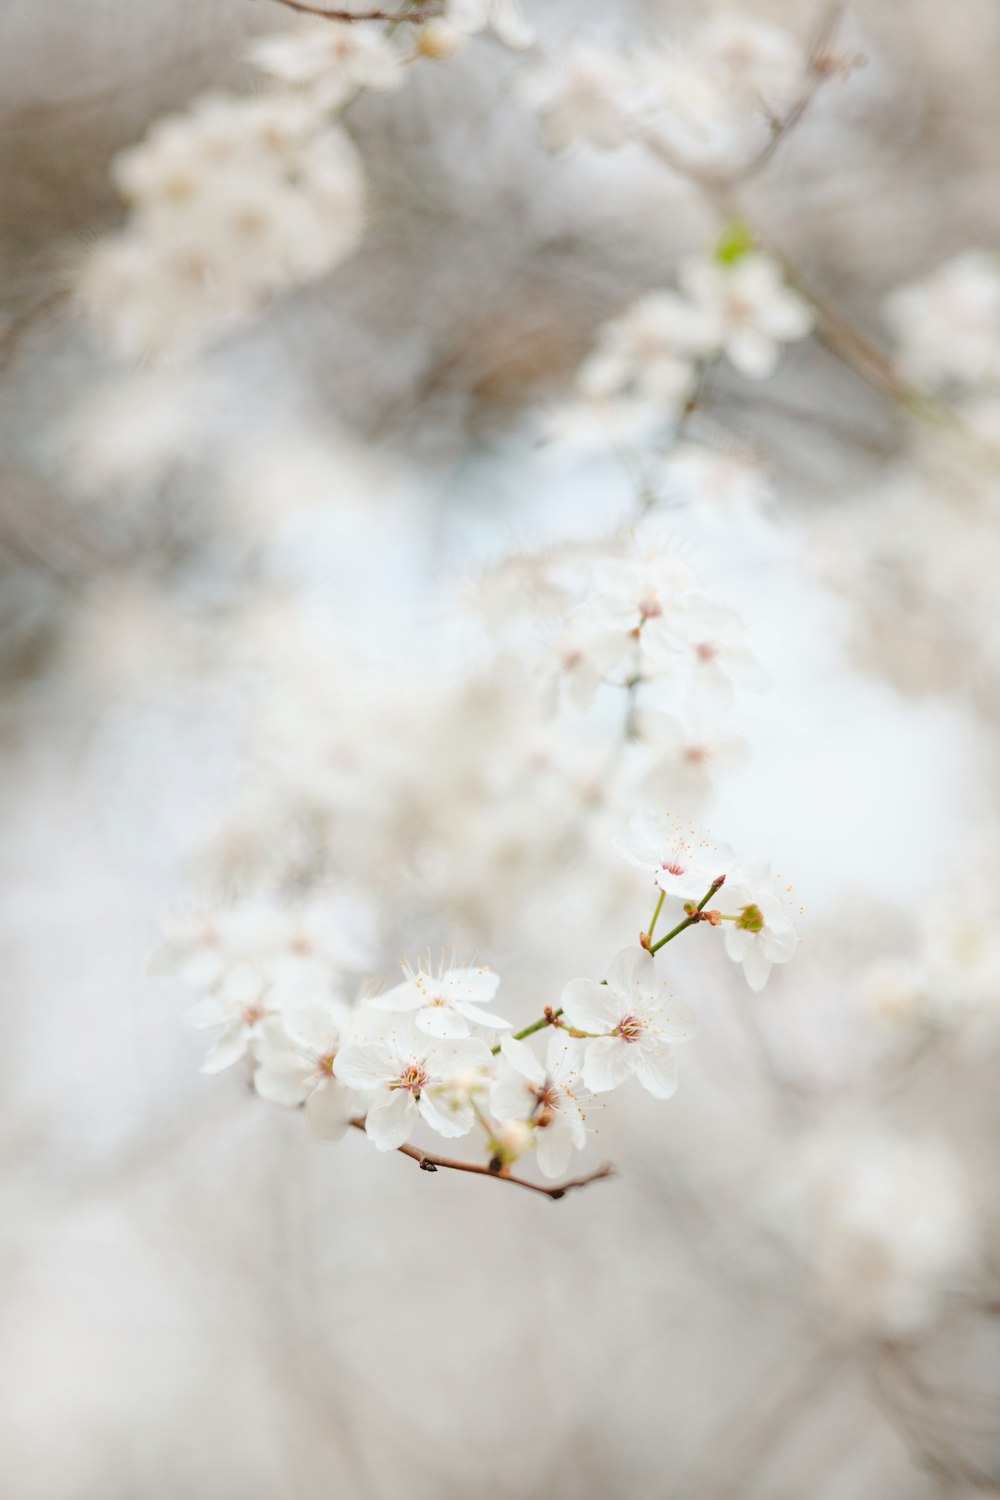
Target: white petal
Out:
[753,353]
[486,1018]
[229,1048]
[756,967]
[632,974]
[591,1006]
[656,1070]
[401,997]
[522,1059]
[554,1147]
[608,1062]
[282,1085]
[312,1025]
[442,1021]
[328,1111]
[366,1066]
[208,1012]
[512,1097]
[390,1119]
[446,1114]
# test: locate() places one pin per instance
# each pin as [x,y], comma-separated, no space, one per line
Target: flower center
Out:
[412,1078]
[650,608]
[253,1013]
[324,1064]
[673,868]
[629,1028]
[751,919]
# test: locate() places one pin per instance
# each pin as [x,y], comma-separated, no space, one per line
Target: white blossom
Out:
[947,325]
[505,18]
[682,865]
[446,1003]
[580,96]
[295,1057]
[634,1022]
[753,310]
[548,1096]
[763,933]
[238,1010]
[333,60]
[413,1078]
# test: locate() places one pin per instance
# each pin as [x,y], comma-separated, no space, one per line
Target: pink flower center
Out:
[629,1028]
[324,1064]
[705,651]
[673,868]
[253,1013]
[412,1078]
[650,608]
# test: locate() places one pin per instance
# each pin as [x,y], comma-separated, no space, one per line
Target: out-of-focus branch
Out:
[428,1161]
[396,17]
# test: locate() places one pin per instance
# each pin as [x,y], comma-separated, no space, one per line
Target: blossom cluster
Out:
[434,1048]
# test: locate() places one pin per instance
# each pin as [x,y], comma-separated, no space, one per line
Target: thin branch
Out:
[428,1161]
[396,17]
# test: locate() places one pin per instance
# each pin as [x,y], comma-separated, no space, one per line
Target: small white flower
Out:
[681,865]
[763,933]
[505,18]
[652,599]
[334,60]
[948,325]
[238,1010]
[412,1079]
[634,1021]
[443,1004]
[295,1058]
[681,762]
[754,311]
[580,96]
[547,1096]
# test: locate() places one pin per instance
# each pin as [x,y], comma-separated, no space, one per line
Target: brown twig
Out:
[396,17]
[428,1161]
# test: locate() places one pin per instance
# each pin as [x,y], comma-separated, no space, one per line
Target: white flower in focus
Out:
[334,60]
[413,1079]
[754,311]
[295,1057]
[762,934]
[885,1227]
[238,1010]
[635,1022]
[682,866]
[947,326]
[580,95]
[548,1096]
[444,1004]
[505,18]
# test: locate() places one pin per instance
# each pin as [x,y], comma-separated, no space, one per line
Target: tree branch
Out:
[427,1161]
[397,17]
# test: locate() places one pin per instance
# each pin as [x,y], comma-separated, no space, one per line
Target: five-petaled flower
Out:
[444,1004]
[413,1078]
[548,1096]
[295,1056]
[762,933]
[632,1021]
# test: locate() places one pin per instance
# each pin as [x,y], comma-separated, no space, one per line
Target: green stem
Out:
[540,1025]
[693,917]
[656,915]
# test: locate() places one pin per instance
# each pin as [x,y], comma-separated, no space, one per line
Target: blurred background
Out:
[260,632]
